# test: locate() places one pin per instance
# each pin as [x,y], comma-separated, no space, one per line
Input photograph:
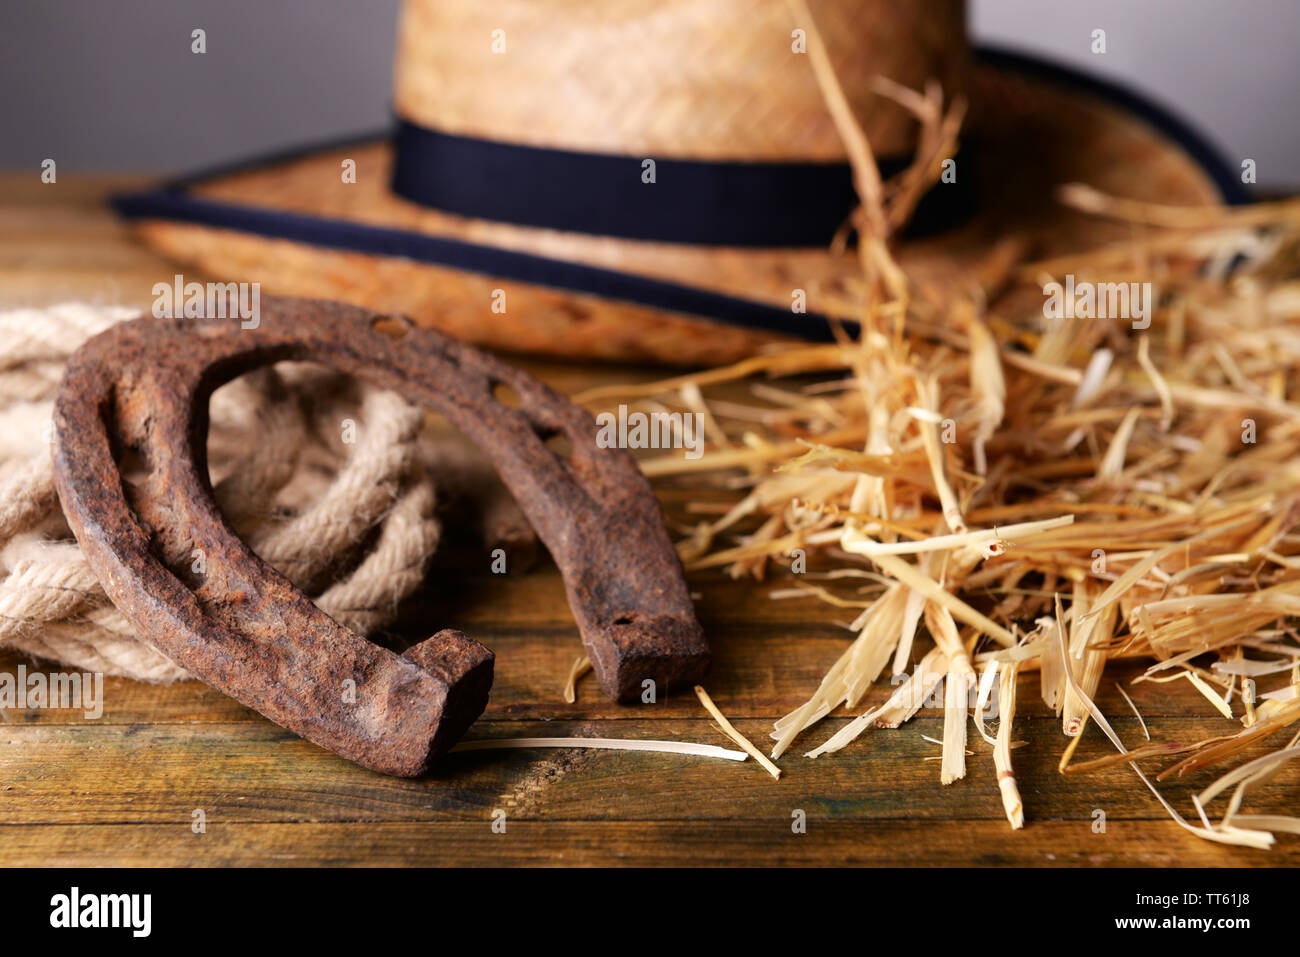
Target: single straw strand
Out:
[604,744]
[729,729]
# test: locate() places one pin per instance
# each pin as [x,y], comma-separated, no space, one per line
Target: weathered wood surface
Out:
[123,789]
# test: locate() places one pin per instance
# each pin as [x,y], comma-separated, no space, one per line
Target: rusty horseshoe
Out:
[141,388]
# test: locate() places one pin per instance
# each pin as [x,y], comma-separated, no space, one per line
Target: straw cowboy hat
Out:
[663,181]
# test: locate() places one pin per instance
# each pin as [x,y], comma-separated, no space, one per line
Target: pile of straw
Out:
[1002,493]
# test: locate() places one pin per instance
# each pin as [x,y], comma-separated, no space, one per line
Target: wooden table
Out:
[124,789]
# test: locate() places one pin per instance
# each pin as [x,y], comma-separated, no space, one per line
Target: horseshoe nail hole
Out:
[395,327]
[623,620]
[559,444]
[507,396]
[133,466]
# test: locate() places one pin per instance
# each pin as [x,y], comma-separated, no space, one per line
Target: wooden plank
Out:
[612,844]
[156,773]
[759,677]
[763,666]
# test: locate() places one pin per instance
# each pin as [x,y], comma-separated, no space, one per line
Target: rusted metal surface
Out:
[136,396]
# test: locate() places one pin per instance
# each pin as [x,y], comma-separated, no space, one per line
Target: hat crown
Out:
[690,79]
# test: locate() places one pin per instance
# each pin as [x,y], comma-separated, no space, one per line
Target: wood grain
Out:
[659,844]
[123,789]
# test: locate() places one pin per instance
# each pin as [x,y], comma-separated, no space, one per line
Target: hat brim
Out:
[292,224]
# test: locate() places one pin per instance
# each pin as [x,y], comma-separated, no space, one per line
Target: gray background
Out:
[112,85]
